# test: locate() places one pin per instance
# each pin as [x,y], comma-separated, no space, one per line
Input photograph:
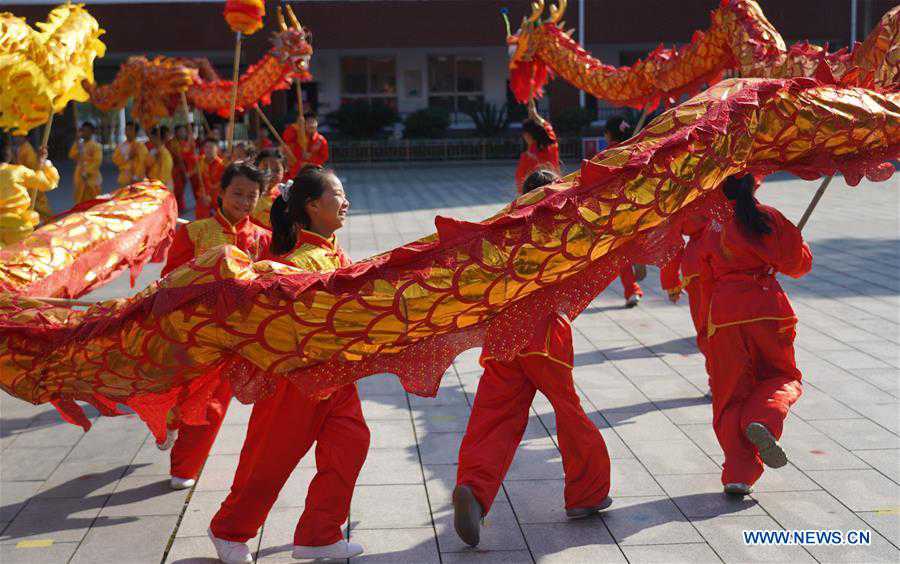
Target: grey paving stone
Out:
[400,546]
[392,434]
[886,522]
[20,464]
[885,461]
[785,479]
[700,496]
[218,473]
[276,540]
[860,490]
[60,520]
[440,448]
[536,459]
[725,535]
[858,434]
[818,452]
[230,439]
[83,479]
[293,493]
[50,431]
[488,557]
[642,422]
[672,457]
[537,501]
[586,540]
[389,507]
[451,418]
[13,496]
[648,520]
[380,384]
[197,515]
[671,553]
[25,553]
[819,510]
[391,466]
[630,478]
[192,550]
[385,407]
[141,540]
[144,495]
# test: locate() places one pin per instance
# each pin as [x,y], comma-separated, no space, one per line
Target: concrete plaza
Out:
[103,496]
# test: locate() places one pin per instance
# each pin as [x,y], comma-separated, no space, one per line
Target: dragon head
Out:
[291,44]
[527,73]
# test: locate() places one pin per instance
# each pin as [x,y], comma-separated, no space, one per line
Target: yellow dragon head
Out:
[291,45]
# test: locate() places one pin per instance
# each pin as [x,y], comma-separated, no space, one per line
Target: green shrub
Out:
[362,119]
[572,120]
[426,123]
[490,120]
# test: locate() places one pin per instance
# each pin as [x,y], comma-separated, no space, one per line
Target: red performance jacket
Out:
[534,158]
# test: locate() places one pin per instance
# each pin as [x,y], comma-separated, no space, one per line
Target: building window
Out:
[369,78]
[455,82]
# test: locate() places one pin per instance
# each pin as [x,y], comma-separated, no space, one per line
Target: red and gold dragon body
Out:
[739,40]
[155,85]
[410,311]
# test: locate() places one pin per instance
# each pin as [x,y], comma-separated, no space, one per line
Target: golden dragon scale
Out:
[156,85]
[410,311]
[740,40]
[91,244]
[42,70]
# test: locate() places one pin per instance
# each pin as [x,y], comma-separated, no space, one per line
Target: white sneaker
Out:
[181,483]
[633,301]
[340,550]
[230,552]
[171,437]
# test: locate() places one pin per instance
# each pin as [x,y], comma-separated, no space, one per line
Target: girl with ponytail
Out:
[750,333]
[285,425]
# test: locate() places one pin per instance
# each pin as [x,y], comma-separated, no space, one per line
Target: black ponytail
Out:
[746,209]
[538,133]
[618,129]
[288,215]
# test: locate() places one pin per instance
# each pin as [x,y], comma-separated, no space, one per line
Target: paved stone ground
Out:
[103,496]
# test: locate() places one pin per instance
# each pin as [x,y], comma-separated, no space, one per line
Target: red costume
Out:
[500,414]
[194,441]
[184,154]
[316,149]
[282,429]
[210,172]
[629,282]
[750,329]
[535,158]
[684,273]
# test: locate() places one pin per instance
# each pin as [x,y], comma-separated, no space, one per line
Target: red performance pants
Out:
[282,429]
[629,282]
[500,414]
[754,379]
[195,441]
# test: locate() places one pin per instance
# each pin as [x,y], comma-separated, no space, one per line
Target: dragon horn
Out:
[290,13]
[557,11]
[281,23]
[537,8]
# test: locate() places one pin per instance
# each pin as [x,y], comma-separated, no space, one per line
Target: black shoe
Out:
[467,514]
[582,512]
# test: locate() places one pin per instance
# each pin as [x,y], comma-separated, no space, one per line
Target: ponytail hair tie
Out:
[285,189]
[623,127]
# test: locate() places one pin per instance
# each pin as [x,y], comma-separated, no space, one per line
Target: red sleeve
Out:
[526,165]
[669,275]
[794,255]
[320,157]
[180,252]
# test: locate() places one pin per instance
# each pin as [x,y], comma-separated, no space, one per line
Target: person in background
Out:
[25,155]
[88,155]
[230,225]
[542,149]
[18,185]
[240,152]
[271,163]
[131,157]
[750,333]
[159,159]
[500,414]
[183,149]
[263,140]
[616,131]
[316,152]
[210,169]
[284,425]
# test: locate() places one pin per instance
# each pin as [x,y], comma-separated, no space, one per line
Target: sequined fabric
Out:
[411,310]
[89,246]
[739,40]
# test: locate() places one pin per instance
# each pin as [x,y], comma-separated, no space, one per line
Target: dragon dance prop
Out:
[92,244]
[244,17]
[410,311]
[42,70]
[740,39]
[155,86]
